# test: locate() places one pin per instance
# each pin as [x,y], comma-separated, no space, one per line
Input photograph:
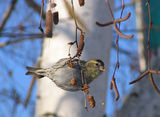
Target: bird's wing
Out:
[61,63]
[82,64]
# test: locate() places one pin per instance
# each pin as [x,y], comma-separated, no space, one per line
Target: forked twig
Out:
[111,22]
[154,72]
[113,82]
[153,83]
[149,71]
[40,27]
[79,45]
[140,77]
[7,14]
[118,31]
[114,86]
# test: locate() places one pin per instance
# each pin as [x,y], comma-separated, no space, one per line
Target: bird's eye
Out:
[97,64]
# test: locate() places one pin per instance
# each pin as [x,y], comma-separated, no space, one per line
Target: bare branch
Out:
[153,83]
[105,24]
[31,87]
[7,14]
[17,41]
[21,35]
[35,7]
[117,29]
[154,72]
[140,77]
[114,86]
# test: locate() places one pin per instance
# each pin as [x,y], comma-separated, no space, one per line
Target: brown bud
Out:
[85,86]
[70,43]
[21,28]
[49,24]
[70,64]
[52,5]
[118,65]
[91,101]
[55,17]
[73,81]
[86,89]
[81,2]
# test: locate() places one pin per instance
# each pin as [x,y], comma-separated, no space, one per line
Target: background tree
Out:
[143,101]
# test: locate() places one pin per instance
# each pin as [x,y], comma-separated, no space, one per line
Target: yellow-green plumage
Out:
[92,68]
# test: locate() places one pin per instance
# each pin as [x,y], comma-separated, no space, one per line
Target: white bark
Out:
[52,99]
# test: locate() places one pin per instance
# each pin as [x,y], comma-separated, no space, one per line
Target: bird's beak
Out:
[101,68]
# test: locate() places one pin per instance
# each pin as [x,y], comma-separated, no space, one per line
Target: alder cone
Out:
[81,2]
[91,101]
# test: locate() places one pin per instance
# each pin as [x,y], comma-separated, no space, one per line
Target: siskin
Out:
[62,73]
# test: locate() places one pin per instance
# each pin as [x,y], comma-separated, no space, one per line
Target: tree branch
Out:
[31,87]
[7,14]
[35,7]
[18,40]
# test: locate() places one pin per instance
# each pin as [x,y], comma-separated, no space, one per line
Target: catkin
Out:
[49,24]
[81,2]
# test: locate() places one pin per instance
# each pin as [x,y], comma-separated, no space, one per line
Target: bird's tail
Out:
[39,72]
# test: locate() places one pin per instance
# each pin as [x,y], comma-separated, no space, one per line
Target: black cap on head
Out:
[100,62]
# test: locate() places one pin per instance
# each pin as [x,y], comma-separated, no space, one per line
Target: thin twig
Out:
[35,7]
[75,16]
[149,30]
[75,25]
[40,27]
[111,22]
[154,72]
[153,83]
[29,91]
[7,14]
[118,31]
[121,34]
[18,40]
[79,45]
[31,87]
[21,35]
[149,70]
[113,83]
[114,86]
[117,64]
[105,24]
[140,77]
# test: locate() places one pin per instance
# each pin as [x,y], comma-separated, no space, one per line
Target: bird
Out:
[65,70]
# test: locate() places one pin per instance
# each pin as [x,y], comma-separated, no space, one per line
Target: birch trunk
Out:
[51,100]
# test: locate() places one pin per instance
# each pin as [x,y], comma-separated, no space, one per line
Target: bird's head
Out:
[94,67]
